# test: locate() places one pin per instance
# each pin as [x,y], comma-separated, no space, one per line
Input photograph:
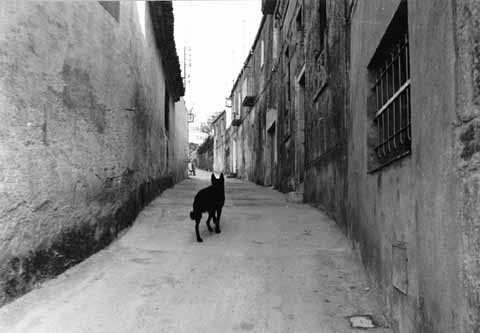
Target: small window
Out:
[113,7]
[389,102]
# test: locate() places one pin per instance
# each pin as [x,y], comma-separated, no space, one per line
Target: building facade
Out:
[90,131]
[251,96]
[412,183]
[369,110]
[180,139]
[219,132]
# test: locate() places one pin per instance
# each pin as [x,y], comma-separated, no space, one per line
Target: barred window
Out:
[390,71]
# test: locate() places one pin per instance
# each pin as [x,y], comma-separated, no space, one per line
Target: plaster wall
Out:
[180,141]
[290,61]
[422,201]
[380,205]
[82,137]
[467,147]
[325,116]
[219,144]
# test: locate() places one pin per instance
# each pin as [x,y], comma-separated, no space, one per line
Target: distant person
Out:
[191,168]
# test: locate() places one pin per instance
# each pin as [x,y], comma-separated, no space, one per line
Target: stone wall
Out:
[380,207]
[289,60]
[325,117]
[466,133]
[416,220]
[82,133]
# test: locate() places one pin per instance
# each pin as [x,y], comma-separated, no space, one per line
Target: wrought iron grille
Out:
[392,91]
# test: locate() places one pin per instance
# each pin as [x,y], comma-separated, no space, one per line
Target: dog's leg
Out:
[217,220]
[197,223]
[210,215]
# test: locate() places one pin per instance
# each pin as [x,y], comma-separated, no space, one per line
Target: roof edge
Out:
[161,14]
[250,53]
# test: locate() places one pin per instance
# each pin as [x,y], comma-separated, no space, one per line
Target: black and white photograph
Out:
[216,166]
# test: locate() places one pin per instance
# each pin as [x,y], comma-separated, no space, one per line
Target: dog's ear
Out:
[213,179]
[222,179]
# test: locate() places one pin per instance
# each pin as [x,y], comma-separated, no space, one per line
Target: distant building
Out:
[219,129]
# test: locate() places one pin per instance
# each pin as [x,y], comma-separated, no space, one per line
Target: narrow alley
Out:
[276,267]
[348,132]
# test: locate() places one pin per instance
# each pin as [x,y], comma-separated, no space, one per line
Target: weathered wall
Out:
[219,144]
[414,222]
[180,141]
[268,102]
[286,112]
[246,152]
[381,205]
[325,132]
[82,137]
[436,184]
[424,201]
[467,145]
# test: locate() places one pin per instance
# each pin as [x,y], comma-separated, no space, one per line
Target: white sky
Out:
[220,34]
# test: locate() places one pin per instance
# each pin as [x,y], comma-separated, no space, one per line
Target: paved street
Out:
[276,267]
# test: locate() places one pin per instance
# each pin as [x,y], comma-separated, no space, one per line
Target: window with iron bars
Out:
[390,71]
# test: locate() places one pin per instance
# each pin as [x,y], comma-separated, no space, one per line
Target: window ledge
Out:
[377,168]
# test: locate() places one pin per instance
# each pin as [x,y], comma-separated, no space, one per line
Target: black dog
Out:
[211,200]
